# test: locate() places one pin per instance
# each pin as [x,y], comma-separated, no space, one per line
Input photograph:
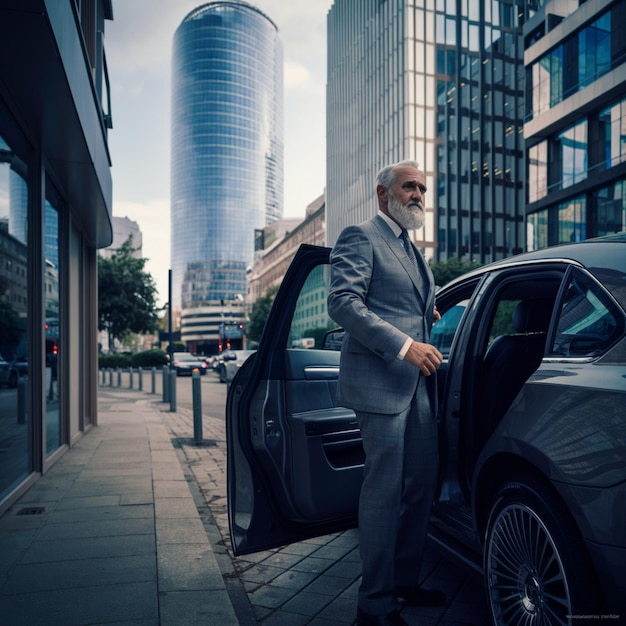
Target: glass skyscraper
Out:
[440,82]
[227,157]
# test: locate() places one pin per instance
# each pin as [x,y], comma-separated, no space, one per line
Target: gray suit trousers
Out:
[400,477]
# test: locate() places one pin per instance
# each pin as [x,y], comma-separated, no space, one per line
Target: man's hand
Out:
[436,315]
[424,356]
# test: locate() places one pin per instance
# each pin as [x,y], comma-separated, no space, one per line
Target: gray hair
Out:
[387,176]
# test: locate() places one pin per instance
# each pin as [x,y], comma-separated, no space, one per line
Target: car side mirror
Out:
[333,339]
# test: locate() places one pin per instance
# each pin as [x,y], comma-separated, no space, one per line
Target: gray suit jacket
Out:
[379,297]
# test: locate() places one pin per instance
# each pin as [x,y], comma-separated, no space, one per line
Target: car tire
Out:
[535,563]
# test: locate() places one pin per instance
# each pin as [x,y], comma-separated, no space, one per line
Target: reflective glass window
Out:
[573,149]
[52,327]
[589,322]
[609,206]
[537,230]
[15,391]
[572,220]
[612,134]
[537,171]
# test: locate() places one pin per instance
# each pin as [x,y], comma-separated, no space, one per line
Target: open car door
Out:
[295,458]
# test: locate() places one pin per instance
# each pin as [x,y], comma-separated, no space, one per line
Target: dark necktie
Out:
[408,247]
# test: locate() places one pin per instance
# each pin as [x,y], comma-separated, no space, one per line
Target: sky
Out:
[138,44]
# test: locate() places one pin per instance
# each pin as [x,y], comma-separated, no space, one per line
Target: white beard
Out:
[409,216]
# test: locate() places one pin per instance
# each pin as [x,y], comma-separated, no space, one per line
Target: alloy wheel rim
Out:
[525,574]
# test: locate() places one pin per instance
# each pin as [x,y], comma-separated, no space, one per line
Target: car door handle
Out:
[321,372]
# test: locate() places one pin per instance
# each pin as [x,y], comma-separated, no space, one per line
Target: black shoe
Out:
[420,596]
[391,619]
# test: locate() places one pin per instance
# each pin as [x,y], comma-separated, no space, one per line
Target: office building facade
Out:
[227,159]
[55,212]
[440,83]
[576,121]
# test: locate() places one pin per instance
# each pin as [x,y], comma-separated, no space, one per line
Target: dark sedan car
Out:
[532,417]
[185,363]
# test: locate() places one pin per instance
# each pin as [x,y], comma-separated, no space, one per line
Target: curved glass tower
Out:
[227,156]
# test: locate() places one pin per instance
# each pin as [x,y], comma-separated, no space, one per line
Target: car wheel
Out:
[536,570]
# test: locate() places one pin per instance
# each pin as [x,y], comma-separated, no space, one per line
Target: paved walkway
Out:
[130,527]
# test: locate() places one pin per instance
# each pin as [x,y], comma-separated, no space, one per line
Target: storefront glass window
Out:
[51,302]
[15,393]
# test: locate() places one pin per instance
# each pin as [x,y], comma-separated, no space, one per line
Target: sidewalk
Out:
[112,535]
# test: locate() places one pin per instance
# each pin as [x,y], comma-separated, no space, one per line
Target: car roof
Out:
[607,252]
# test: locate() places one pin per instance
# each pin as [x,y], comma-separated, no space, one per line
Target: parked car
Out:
[532,413]
[21,366]
[185,363]
[231,361]
[8,373]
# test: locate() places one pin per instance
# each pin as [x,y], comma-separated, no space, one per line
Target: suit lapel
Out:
[418,276]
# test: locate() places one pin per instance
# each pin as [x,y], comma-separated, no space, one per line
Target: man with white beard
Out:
[382,294]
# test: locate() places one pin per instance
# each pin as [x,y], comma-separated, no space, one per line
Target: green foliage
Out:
[502,323]
[445,271]
[258,315]
[112,361]
[126,294]
[149,358]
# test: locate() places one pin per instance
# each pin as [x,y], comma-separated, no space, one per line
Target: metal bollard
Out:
[197,407]
[131,378]
[140,378]
[21,400]
[110,377]
[119,377]
[172,390]
[153,379]
[166,386]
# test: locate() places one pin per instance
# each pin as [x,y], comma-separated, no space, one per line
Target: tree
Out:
[258,315]
[126,294]
[445,271]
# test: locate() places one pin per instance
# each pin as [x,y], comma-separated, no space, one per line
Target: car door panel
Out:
[325,442]
[294,456]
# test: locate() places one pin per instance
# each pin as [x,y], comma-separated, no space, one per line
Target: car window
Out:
[444,329]
[503,320]
[589,322]
[310,320]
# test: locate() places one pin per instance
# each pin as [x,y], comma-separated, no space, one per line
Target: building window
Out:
[537,230]
[612,135]
[538,171]
[572,220]
[577,62]
[573,154]
[52,321]
[609,209]
[15,385]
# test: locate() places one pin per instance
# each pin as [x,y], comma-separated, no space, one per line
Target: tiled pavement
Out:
[312,582]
